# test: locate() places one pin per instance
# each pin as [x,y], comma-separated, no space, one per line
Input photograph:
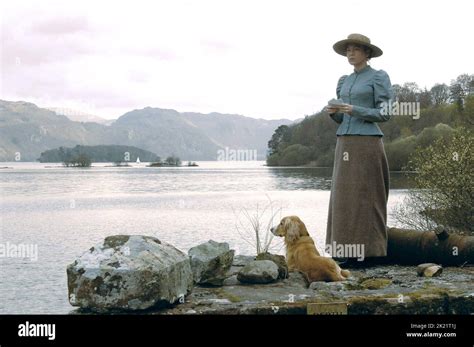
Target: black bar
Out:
[227,330]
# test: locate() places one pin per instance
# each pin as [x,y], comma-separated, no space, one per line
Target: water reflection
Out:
[299,178]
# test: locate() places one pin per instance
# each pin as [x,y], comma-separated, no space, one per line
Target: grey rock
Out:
[231,281]
[129,272]
[297,278]
[210,262]
[242,260]
[277,259]
[234,270]
[259,271]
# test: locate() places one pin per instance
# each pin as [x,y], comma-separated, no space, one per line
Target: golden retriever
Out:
[302,255]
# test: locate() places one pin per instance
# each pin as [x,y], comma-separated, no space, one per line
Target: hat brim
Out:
[340,47]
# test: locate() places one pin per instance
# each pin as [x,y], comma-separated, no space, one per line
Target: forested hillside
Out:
[443,108]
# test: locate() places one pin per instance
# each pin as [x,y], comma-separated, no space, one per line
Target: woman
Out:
[360,183]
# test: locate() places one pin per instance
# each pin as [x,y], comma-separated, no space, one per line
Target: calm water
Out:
[65,211]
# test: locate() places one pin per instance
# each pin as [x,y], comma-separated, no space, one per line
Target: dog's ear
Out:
[302,228]
[292,230]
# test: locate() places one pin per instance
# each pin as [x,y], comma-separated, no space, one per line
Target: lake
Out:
[65,211]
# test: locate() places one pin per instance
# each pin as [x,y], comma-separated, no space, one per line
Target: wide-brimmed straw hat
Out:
[340,46]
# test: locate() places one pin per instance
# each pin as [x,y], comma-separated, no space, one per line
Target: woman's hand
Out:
[331,109]
[346,108]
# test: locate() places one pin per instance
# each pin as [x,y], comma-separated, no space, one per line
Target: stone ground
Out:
[386,289]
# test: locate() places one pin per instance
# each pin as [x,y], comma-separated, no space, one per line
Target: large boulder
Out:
[259,271]
[129,273]
[210,262]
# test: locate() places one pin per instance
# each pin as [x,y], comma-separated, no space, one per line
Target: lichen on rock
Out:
[129,273]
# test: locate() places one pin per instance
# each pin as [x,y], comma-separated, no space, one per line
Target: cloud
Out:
[60,26]
[268,59]
[47,41]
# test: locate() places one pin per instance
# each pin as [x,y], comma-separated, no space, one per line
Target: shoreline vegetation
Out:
[121,156]
[165,164]
[84,156]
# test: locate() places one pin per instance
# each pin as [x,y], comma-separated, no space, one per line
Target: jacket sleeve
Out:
[382,95]
[338,117]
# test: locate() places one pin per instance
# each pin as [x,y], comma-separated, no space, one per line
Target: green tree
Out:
[460,88]
[399,151]
[425,99]
[469,110]
[440,94]
[173,160]
[407,93]
[82,160]
[295,155]
[444,189]
[281,136]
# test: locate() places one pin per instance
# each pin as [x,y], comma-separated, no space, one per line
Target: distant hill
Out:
[201,135]
[110,153]
[27,130]
[30,130]
[164,132]
[236,131]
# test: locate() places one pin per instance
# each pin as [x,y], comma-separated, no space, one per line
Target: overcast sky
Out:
[262,59]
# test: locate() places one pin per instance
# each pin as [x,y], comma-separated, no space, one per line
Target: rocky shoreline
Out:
[389,289]
[217,282]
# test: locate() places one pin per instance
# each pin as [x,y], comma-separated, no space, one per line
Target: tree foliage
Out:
[444,189]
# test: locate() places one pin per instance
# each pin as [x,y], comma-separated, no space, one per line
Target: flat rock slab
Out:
[390,289]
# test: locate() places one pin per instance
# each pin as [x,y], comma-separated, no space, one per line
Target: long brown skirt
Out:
[359,193]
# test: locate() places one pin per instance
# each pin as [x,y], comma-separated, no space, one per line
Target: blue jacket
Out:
[367,90]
